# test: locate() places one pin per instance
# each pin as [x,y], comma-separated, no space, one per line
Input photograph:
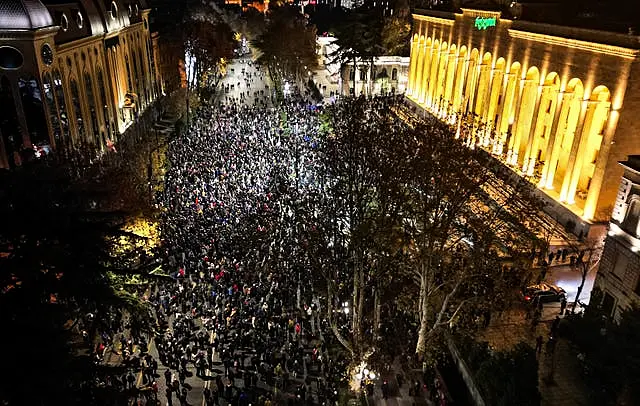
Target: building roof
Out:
[23,15]
[633,163]
[591,14]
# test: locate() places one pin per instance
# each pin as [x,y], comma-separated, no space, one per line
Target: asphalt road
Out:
[242,80]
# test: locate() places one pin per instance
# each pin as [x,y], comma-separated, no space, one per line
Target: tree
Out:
[253,22]
[509,377]
[61,261]
[357,161]
[406,201]
[359,38]
[287,47]
[610,353]
[588,257]
[465,223]
[208,43]
[395,36]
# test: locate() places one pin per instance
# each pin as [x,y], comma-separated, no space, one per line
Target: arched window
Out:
[152,68]
[47,85]
[113,11]
[9,124]
[394,74]
[631,223]
[77,110]
[136,76]
[142,78]
[62,108]
[352,74]
[126,64]
[33,108]
[103,101]
[91,102]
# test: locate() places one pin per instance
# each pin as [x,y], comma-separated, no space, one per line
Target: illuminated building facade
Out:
[389,76]
[618,278]
[74,74]
[557,104]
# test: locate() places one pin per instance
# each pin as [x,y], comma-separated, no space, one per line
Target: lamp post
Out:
[362,376]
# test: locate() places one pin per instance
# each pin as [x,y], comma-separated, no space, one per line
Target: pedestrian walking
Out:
[539,345]
[563,305]
[130,380]
[169,394]
[555,325]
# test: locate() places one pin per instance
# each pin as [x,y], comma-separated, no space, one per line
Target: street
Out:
[246,83]
[569,279]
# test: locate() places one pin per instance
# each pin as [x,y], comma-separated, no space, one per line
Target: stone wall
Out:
[467,377]
[620,285]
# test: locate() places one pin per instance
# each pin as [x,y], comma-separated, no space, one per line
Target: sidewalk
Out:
[566,387]
[559,378]
[399,396]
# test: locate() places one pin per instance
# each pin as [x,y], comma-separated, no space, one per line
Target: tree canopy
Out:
[610,350]
[287,46]
[413,217]
[67,266]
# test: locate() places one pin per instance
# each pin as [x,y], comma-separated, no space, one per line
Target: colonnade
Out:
[548,132]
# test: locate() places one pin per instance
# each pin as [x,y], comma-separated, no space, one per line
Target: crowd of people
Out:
[235,311]
[224,178]
[247,86]
[240,320]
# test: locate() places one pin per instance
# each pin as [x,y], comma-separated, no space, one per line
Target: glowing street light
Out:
[361,374]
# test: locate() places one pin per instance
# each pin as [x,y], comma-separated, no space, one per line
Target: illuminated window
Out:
[62,109]
[77,110]
[47,85]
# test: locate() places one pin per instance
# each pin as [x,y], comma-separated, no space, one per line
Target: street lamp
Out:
[362,376]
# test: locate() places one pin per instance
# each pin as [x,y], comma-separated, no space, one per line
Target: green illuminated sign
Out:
[484,23]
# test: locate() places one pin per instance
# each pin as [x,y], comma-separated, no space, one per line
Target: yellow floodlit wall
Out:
[547,100]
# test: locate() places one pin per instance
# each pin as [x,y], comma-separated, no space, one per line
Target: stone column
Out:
[556,137]
[595,186]
[529,161]
[574,166]
[413,60]
[417,88]
[433,75]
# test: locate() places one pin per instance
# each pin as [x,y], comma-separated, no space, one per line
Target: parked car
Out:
[545,292]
